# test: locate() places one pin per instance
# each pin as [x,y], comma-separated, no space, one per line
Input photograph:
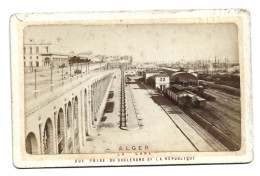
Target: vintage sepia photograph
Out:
[133,92]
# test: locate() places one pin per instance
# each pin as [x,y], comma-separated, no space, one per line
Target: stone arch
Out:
[86,112]
[76,111]
[69,115]
[47,61]
[70,146]
[92,104]
[95,100]
[31,144]
[69,128]
[48,139]
[76,124]
[60,132]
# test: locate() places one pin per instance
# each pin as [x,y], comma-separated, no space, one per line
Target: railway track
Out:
[229,114]
[232,101]
[219,130]
[225,107]
[215,144]
[226,104]
[224,117]
[231,109]
[209,139]
[220,92]
[218,124]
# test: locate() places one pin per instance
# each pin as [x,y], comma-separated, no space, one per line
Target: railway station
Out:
[96,110]
[86,103]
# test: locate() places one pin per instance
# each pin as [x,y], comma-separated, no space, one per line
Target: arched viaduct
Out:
[62,124]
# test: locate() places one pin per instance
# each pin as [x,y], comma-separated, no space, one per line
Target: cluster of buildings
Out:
[47,54]
[173,83]
[202,66]
[161,77]
[124,62]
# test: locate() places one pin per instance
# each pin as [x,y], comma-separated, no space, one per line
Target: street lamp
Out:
[70,69]
[86,66]
[62,72]
[35,84]
[81,70]
[51,74]
[51,77]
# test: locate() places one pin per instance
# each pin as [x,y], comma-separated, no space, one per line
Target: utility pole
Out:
[227,64]
[218,65]
[215,65]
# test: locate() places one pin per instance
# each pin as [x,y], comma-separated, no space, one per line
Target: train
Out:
[199,90]
[184,97]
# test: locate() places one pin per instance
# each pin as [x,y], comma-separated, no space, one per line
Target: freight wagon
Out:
[199,90]
[184,98]
[200,102]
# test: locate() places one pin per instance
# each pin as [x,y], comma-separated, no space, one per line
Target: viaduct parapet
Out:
[61,123]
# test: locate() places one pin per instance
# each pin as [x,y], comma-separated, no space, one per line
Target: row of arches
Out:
[71,129]
[61,133]
[47,61]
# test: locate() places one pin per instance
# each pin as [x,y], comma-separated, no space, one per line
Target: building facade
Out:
[85,55]
[159,81]
[130,72]
[44,55]
[162,81]
[148,74]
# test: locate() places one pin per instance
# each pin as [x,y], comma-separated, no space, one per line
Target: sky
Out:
[146,43]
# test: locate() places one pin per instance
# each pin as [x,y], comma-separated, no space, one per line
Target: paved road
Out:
[48,96]
[43,80]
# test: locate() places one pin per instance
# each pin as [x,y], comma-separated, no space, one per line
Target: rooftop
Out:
[153,71]
[177,88]
[162,75]
[183,76]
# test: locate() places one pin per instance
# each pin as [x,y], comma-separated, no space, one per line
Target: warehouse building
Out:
[159,81]
[184,79]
